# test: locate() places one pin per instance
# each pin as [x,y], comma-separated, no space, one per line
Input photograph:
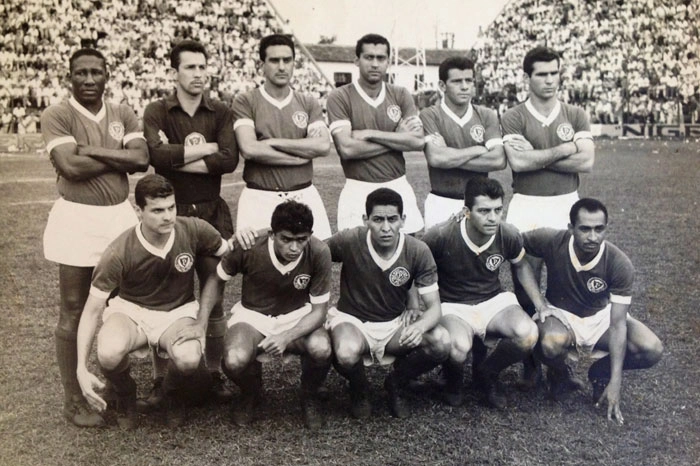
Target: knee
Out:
[111,350]
[187,356]
[236,359]
[439,343]
[460,349]
[68,320]
[318,347]
[552,344]
[347,353]
[525,334]
[652,350]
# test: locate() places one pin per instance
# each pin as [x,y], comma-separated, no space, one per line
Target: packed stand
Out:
[135,36]
[623,60]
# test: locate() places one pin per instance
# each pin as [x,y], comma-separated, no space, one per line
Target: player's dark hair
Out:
[186,45]
[372,39]
[152,186]
[589,205]
[453,63]
[539,53]
[383,196]
[292,216]
[482,186]
[275,39]
[89,53]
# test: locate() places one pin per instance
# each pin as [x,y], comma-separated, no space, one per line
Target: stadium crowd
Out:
[632,61]
[136,35]
[624,60]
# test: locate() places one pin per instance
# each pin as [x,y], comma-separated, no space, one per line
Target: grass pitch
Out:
[651,190]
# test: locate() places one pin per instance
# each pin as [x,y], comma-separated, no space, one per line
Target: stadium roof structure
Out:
[346,53]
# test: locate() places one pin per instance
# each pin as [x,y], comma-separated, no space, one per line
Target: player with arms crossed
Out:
[93,144]
[462,140]
[547,143]
[152,265]
[192,143]
[280,132]
[372,322]
[373,123]
[284,301]
[589,283]
[469,254]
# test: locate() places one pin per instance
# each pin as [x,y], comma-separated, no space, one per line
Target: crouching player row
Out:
[371,323]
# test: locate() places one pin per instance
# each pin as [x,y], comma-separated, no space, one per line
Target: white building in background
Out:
[413,69]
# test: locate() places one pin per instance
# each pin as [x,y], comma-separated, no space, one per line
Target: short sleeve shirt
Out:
[273,288]
[350,106]
[478,127]
[376,289]
[111,128]
[289,118]
[566,123]
[157,279]
[468,273]
[582,289]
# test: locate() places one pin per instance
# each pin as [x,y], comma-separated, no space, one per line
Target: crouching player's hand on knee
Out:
[193,331]
[88,383]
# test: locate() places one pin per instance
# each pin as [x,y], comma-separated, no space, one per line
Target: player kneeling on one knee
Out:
[371,322]
[589,280]
[284,300]
[153,266]
[469,253]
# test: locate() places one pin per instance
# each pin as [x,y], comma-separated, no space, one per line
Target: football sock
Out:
[67,358]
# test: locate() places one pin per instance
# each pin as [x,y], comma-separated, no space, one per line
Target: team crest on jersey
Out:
[394,113]
[493,262]
[116,130]
[477,133]
[399,276]
[565,132]
[195,139]
[183,262]
[302,281]
[596,285]
[300,119]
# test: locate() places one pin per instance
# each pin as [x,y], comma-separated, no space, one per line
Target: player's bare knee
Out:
[318,347]
[439,344]
[348,353]
[525,334]
[235,359]
[111,350]
[67,326]
[186,356]
[653,351]
[552,344]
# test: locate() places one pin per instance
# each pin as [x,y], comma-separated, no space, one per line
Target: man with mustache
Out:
[191,142]
[373,123]
[589,289]
[280,132]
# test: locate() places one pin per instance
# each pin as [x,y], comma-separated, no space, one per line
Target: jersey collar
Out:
[281,268]
[280,104]
[470,244]
[162,253]
[577,264]
[373,102]
[87,113]
[545,120]
[461,121]
[171,101]
[382,263]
